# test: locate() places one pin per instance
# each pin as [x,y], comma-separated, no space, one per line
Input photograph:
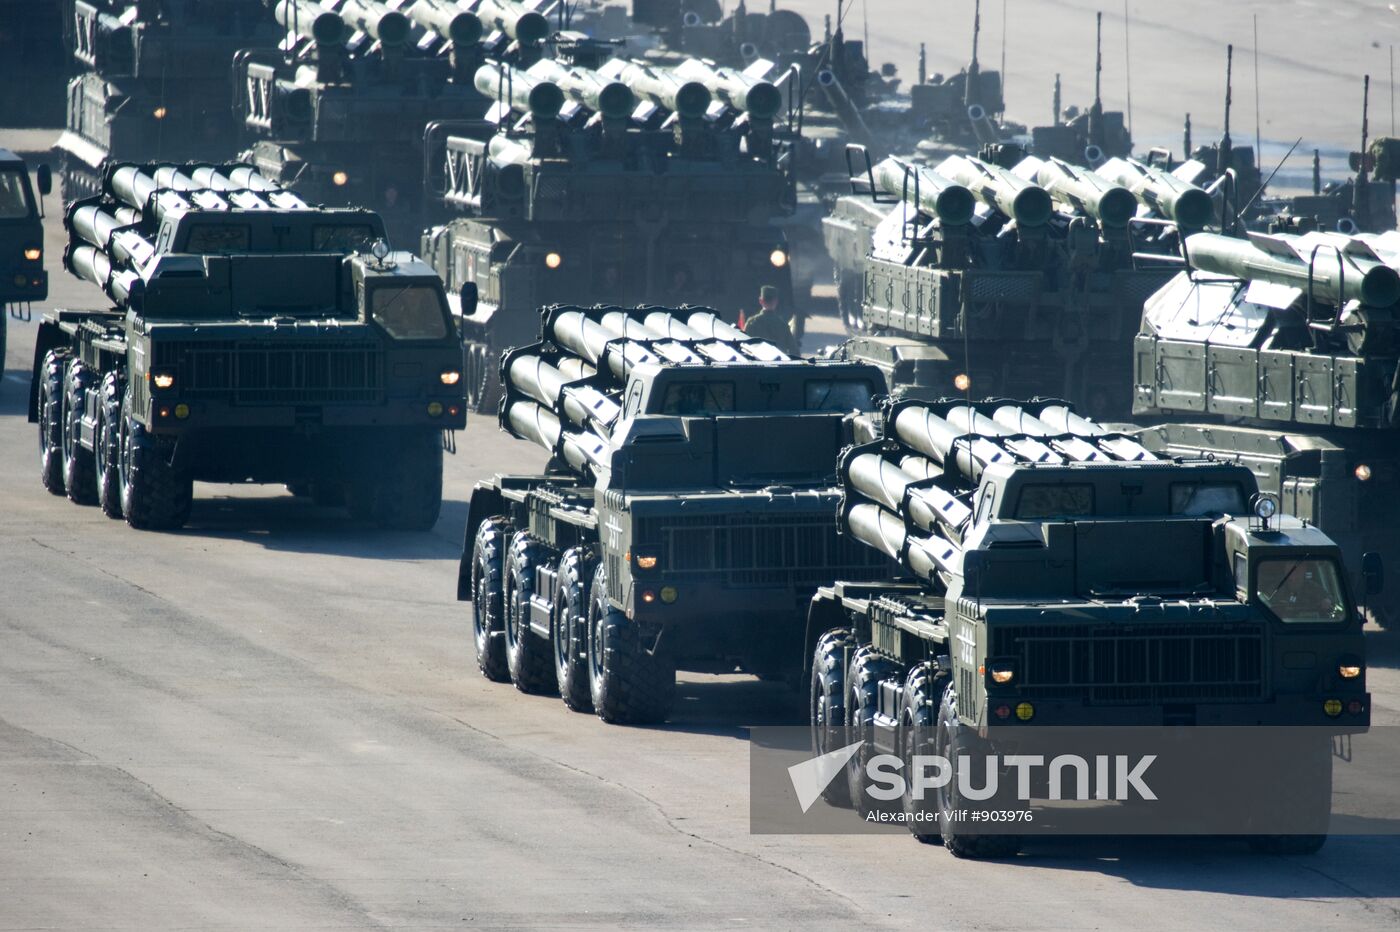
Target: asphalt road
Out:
[272,720]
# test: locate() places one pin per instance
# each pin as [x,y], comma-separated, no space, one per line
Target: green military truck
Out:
[251,338]
[22,275]
[1058,574]
[685,517]
[1282,353]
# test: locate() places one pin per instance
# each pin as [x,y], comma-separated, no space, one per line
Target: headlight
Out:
[778,257]
[160,113]
[961,382]
[1002,676]
[1362,472]
[450,376]
[1265,507]
[162,379]
[34,253]
[552,260]
[340,179]
[646,563]
[1349,670]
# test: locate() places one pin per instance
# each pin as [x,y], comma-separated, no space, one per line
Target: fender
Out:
[50,335]
[485,502]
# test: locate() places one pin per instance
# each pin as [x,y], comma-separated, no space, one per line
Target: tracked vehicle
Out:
[1054,573]
[249,339]
[684,519]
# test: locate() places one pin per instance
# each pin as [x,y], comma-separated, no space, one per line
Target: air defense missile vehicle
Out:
[1004,281]
[153,82]
[22,276]
[1054,573]
[337,111]
[620,185]
[684,519]
[1282,352]
[250,338]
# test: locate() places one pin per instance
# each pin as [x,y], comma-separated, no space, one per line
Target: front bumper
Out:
[19,284]
[207,415]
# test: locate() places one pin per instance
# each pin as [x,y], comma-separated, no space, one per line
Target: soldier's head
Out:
[768,298]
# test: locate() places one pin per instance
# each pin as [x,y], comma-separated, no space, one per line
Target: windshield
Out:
[1055,501]
[14,195]
[409,312]
[698,398]
[1301,591]
[340,237]
[1207,499]
[839,395]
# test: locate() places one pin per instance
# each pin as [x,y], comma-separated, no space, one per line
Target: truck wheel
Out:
[1308,801]
[79,468]
[828,704]
[484,389]
[923,690]
[50,409]
[863,678]
[488,631]
[951,740]
[527,655]
[1386,617]
[629,686]
[405,493]
[155,495]
[569,631]
[107,455]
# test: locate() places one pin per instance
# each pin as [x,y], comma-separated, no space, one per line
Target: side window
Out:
[1241,574]
[634,400]
[984,504]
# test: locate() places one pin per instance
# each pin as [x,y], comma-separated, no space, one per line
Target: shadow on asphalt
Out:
[1354,867]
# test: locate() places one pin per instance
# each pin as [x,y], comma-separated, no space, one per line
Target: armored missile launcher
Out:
[1282,352]
[153,82]
[1002,280]
[619,185]
[684,519]
[250,338]
[1056,573]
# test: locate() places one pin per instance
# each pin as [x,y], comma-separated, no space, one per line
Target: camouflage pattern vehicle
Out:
[153,82]
[1017,278]
[619,185]
[249,340]
[22,275]
[684,520]
[1054,573]
[337,111]
[1282,352]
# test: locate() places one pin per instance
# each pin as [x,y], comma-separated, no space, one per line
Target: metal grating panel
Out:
[252,372]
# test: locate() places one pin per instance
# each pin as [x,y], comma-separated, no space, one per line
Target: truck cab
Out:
[22,275]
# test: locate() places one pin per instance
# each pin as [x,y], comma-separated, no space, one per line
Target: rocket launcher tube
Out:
[953,204]
[520,90]
[1112,205]
[583,405]
[94,265]
[930,508]
[673,328]
[524,26]
[689,99]
[708,324]
[1179,201]
[883,530]
[311,21]
[625,326]
[970,422]
[612,99]
[1332,275]
[596,344]
[1061,420]
[390,28]
[760,99]
[1028,204]
[953,449]
[458,26]
[1018,420]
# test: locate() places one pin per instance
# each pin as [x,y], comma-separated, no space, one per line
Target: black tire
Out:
[404,493]
[155,494]
[50,411]
[484,380]
[951,740]
[488,574]
[629,686]
[863,677]
[1308,801]
[527,654]
[918,714]
[107,458]
[828,704]
[79,465]
[1383,615]
[569,630]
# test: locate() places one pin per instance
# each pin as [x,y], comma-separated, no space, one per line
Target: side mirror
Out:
[468,297]
[1372,573]
[44,176]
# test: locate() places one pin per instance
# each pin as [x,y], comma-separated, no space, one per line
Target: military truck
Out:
[22,275]
[620,185]
[251,338]
[1055,573]
[337,111]
[1281,352]
[153,82]
[684,518]
[1007,281]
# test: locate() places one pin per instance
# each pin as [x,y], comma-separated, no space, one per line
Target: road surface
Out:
[272,720]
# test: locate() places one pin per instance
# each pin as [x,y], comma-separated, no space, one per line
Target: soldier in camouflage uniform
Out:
[773,323]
